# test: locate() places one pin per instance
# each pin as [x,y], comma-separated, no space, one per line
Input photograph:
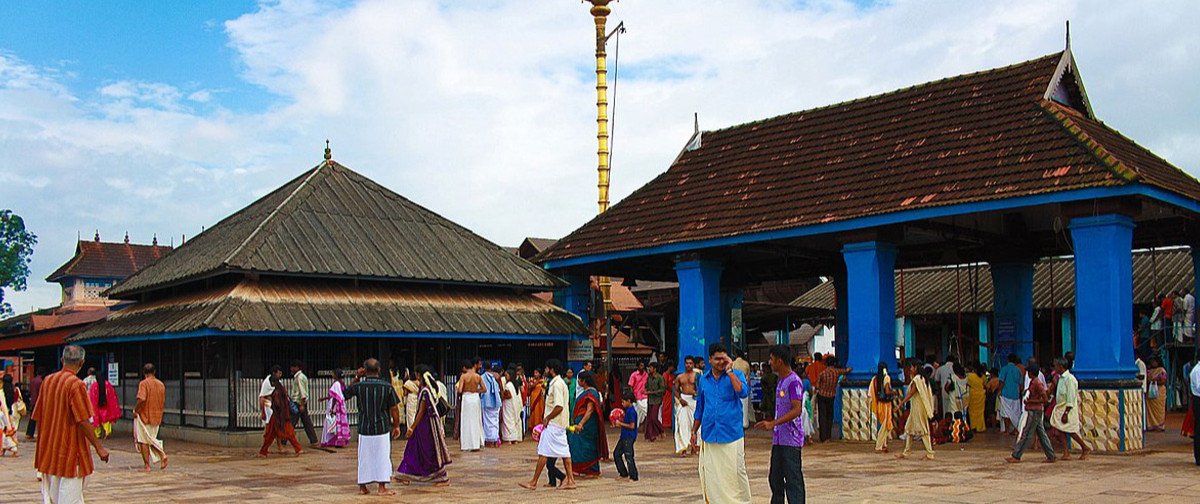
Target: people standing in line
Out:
[378,424]
[666,410]
[491,401]
[147,416]
[827,390]
[553,441]
[1010,395]
[741,364]
[1065,415]
[976,398]
[685,400]
[425,454]
[62,456]
[10,417]
[919,398]
[880,395]
[786,475]
[105,408]
[637,383]
[300,397]
[336,433]
[1035,403]
[587,438]
[35,388]
[470,420]
[279,422]
[1156,396]
[623,454]
[511,430]
[655,388]
[718,417]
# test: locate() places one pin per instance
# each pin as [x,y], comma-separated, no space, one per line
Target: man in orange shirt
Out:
[147,416]
[64,432]
[813,372]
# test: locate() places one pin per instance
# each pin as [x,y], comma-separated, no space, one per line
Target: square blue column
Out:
[984,337]
[576,297]
[870,307]
[699,307]
[1013,287]
[841,317]
[1103,297]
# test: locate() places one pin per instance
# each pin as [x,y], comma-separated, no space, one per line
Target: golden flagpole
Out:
[600,12]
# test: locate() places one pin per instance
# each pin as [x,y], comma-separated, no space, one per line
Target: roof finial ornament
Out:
[97,236]
[1068,34]
[328,152]
[696,124]
[154,242]
[127,237]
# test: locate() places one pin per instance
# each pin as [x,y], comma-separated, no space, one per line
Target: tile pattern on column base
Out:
[858,421]
[1105,426]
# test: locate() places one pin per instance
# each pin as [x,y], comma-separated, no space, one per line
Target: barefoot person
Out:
[718,416]
[1035,404]
[553,441]
[879,394]
[470,421]
[279,423]
[920,409]
[147,415]
[378,415]
[1065,417]
[65,432]
[425,455]
[685,401]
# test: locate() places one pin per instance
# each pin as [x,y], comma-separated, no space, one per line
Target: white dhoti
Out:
[470,426]
[723,478]
[148,435]
[553,443]
[641,406]
[1010,409]
[683,423]
[1071,426]
[491,425]
[60,490]
[747,413]
[374,459]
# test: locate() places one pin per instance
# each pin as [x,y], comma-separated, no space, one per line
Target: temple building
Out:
[331,268]
[1004,166]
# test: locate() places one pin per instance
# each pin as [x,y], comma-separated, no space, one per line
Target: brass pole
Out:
[600,12]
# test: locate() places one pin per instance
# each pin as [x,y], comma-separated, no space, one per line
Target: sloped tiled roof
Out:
[96,259]
[332,221]
[319,306]
[938,291]
[983,136]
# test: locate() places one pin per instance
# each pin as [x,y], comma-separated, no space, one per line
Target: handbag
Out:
[1152,393]
[294,407]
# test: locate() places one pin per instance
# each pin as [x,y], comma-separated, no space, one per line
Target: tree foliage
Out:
[16,251]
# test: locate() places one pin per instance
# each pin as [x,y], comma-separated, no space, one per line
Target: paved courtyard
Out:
[835,473]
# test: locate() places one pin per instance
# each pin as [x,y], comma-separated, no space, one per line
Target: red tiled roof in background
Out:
[983,136]
[108,260]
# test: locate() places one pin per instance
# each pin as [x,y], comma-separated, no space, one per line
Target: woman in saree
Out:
[425,454]
[588,441]
[411,388]
[279,425]
[9,419]
[1156,396]
[880,396]
[537,399]
[336,433]
[510,410]
[976,398]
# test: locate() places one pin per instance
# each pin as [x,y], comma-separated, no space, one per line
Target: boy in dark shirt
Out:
[623,453]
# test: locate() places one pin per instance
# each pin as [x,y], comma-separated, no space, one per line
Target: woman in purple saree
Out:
[425,455]
[336,432]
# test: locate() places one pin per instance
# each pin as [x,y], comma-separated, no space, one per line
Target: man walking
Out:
[685,407]
[637,383]
[553,441]
[147,416]
[827,389]
[299,395]
[64,415]
[1065,417]
[35,388]
[655,388]
[786,477]
[723,477]
[1035,404]
[378,415]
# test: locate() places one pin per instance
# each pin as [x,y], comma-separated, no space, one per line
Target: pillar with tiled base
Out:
[1111,399]
[699,306]
[870,309]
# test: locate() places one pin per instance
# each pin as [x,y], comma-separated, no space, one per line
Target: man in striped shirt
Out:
[63,413]
[378,416]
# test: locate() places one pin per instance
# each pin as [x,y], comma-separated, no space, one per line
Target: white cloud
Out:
[485,112]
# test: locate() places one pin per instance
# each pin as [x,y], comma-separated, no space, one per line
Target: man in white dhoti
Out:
[637,383]
[147,416]
[470,423]
[378,425]
[553,441]
[685,407]
[1010,395]
[1065,417]
[723,477]
[491,401]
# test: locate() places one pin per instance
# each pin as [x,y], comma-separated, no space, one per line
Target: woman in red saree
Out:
[588,441]
[279,425]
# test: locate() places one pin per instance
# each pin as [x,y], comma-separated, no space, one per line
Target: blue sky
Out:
[162,117]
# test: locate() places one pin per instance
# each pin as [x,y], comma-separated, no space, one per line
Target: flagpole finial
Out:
[328,152]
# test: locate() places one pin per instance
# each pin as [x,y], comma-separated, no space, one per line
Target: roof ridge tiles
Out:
[1090,145]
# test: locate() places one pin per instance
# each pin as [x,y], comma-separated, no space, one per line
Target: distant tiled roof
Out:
[318,306]
[332,221]
[939,291]
[108,260]
[982,136]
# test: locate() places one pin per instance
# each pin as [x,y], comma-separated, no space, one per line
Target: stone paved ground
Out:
[835,473]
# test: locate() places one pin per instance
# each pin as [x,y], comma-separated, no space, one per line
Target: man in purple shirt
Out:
[786,478]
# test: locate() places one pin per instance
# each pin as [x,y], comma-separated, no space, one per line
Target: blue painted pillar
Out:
[1068,331]
[841,318]
[910,338]
[576,298]
[1013,287]
[699,307]
[871,302]
[985,332]
[1103,296]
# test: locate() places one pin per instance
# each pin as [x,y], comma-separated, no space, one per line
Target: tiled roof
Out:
[332,221]
[321,306]
[939,291]
[983,136]
[108,260]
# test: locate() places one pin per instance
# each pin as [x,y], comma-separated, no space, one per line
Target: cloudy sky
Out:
[153,117]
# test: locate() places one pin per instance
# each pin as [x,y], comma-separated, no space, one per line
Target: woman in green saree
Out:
[587,438]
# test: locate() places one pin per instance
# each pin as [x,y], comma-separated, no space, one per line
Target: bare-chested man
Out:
[685,407]
[470,427]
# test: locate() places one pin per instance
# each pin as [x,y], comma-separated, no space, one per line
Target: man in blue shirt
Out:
[718,415]
[1011,383]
